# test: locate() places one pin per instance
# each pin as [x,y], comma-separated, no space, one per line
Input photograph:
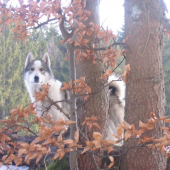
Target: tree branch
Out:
[63,30]
[58,107]
[46,22]
[99,49]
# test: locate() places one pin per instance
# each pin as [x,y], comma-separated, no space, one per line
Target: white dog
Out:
[38,72]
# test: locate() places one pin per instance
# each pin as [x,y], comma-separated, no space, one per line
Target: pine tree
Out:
[58,54]
[11,73]
[12,57]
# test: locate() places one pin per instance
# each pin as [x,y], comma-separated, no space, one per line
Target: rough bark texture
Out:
[145,86]
[98,104]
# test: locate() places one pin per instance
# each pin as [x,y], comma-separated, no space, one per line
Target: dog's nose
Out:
[36,79]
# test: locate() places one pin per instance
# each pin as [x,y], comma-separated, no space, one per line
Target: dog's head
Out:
[37,72]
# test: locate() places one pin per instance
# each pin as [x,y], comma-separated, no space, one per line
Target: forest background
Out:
[46,39]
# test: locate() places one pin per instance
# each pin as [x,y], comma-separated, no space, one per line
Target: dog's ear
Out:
[29,58]
[46,59]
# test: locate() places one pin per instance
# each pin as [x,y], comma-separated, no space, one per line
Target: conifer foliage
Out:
[11,70]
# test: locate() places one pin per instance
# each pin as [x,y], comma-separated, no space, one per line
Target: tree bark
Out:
[73,127]
[98,103]
[145,85]
[72,112]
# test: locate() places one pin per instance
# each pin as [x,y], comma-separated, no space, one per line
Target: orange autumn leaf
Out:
[108,73]
[90,122]
[69,122]
[119,133]
[76,136]
[65,86]
[41,95]
[126,71]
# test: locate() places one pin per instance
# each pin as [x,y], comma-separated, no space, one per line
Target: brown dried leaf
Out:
[69,142]
[76,136]
[58,128]
[24,145]
[96,125]
[120,131]
[97,136]
[167,120]
[128,134]
[65,86]
[125,125]
[38,139]
[60,121]
[163,117]
[110,149]
[22,151]
[39,157]
[69,122]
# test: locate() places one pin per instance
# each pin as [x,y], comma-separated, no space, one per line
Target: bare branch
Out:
[58,107]
[46,22]
[99,49]
[63,30]
[15,125]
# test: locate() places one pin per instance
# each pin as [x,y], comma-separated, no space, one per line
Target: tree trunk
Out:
[73,127]
[98,103]
[145,85]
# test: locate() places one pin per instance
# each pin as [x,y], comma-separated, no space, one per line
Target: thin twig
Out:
[45,162]
[99,49]
[46,22]
[18,126]
[95,163]
[58,107]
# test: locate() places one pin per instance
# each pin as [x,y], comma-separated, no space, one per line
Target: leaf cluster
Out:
[79,87]
[22,152]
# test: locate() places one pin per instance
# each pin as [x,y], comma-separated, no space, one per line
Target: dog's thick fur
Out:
[38,72]
[116,105]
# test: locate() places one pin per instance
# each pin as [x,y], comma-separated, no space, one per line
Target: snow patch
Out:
[12,167]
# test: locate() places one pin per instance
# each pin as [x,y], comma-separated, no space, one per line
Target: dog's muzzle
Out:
[36,79]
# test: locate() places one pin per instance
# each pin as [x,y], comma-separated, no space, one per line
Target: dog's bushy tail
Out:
[116,87]
[116,105]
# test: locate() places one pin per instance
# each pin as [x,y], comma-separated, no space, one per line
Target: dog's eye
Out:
[32,69]
[41,69]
